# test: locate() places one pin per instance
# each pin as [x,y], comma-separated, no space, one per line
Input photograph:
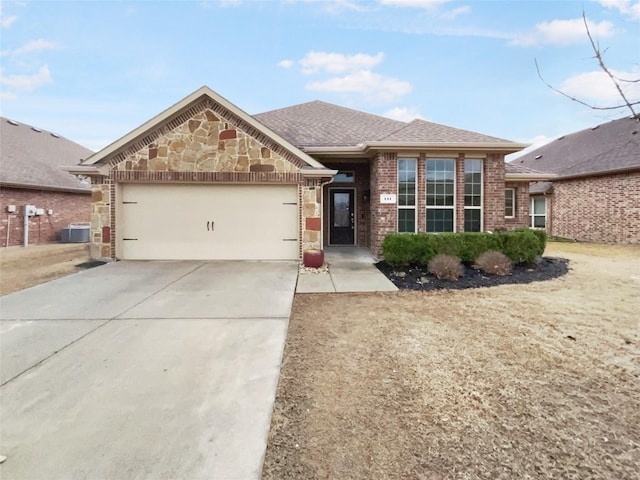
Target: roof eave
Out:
[88,170]
[598,173]
[318,172]
[49,188]
[529,177]
[399,146]
[450,146]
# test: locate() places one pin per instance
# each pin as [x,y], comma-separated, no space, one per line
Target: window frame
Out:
[452,208]
[475,207]
[533,215]
[513,202]
[413,207]
[345,172]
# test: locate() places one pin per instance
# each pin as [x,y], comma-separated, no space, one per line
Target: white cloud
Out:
[314,62]
[404,114]
[626,7]
[5,21]
[596,86]
[428,4]
[7,96]
[286,63]
[563,32]
[374,87]
[34,46]
[451,14]
[27,82]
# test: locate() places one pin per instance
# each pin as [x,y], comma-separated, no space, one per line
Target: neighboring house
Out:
[31,173]
[205,180]
[595,196]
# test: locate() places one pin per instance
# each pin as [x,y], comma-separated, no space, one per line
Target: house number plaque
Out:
[388,198]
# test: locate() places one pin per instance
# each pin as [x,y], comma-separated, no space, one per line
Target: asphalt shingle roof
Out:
[32,157]
[607,147]
[423,131]
[321,124]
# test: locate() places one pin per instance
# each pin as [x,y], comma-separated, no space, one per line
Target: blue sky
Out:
[92,71]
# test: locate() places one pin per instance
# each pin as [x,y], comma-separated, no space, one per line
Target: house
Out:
[31,161]
[595,196]
[205,180]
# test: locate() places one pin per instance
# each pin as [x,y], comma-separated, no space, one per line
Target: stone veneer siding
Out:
[521,217]
[204,148]
[68,207]
[596,209]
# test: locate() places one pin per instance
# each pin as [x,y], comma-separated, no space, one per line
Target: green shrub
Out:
[494,262]
[400,249]
[521,246]
[445,266]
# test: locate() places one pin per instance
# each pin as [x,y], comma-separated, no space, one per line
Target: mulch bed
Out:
[416,277]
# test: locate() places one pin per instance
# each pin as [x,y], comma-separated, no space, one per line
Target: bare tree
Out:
[616,80]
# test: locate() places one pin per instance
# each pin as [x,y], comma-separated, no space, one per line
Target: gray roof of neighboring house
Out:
[321,124]
[33,158]
[608,147]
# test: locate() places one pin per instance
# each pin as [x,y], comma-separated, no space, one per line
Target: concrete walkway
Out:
[351,269]
[143,370]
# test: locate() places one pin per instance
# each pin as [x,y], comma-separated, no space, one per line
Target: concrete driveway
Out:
[143,370]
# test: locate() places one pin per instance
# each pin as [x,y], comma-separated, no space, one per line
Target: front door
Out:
[341,217]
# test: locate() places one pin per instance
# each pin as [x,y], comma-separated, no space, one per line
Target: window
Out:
[344,177]
[472,195]
[538,212]
[510,203]
[440,194]
[407,194]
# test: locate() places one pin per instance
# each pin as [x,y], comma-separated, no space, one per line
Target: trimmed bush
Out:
[445,267]
[521,247]
[494,262]
[401,249]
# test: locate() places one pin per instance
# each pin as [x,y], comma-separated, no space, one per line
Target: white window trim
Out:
[415,203]
[533,215]
[513,203]
[481,207]
[455,193]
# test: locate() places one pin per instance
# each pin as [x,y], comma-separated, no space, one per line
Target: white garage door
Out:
[207,222]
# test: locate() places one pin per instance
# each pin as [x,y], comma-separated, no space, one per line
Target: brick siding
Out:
[67,208]
[384,217]
[596,209]
[521,217]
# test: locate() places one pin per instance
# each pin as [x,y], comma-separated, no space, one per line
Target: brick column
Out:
[384,217]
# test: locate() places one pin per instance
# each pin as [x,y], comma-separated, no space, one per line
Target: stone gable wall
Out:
[206,148]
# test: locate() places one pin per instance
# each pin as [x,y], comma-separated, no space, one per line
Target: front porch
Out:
[350,269]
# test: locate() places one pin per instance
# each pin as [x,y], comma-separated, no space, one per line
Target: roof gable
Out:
[608,147]
[176,115]
[33,158]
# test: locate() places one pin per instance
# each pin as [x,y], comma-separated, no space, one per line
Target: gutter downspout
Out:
[26,226]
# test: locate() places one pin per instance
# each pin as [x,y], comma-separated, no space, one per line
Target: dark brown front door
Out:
[341,217]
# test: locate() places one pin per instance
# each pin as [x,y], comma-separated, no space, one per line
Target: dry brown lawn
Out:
[517,381]
[22,267]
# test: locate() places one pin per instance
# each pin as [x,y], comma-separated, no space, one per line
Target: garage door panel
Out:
[200,222]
